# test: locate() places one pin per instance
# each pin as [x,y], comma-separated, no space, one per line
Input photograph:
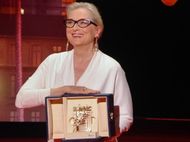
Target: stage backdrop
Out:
[148,38]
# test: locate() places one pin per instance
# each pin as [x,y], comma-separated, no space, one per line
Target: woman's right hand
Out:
[72,89]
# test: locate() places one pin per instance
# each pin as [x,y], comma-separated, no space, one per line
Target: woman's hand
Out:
[111,139]
[72,89]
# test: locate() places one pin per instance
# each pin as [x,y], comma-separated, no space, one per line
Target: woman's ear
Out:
[98,32]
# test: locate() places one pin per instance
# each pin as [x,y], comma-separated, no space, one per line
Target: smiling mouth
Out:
[77,35]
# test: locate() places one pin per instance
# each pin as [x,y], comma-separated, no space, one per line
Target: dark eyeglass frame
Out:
[87,21]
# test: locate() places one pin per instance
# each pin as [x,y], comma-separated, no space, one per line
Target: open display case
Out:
[78,116]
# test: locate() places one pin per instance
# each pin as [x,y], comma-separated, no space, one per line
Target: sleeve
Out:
[33,91]
[123,99]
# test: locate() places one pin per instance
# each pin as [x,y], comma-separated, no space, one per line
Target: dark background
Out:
[151,41]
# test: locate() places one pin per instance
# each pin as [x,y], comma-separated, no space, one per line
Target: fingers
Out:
[88,91]
[81,90]
[72,89]
[84,89]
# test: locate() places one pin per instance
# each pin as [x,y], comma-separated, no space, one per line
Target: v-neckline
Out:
[85,70]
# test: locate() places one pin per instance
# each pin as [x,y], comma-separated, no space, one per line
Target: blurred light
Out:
[22,11]
[169,2]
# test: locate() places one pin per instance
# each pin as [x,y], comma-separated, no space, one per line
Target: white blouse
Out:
[103,73]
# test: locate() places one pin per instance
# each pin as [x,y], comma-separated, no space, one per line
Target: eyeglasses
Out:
[82,23]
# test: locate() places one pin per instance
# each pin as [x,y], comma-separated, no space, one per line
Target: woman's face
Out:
[81,36]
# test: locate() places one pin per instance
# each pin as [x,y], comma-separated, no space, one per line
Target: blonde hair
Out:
[91,8]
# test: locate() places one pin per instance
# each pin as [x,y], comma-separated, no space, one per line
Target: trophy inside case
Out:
[79,117]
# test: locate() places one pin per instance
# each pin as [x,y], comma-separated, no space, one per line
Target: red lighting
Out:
[169,2]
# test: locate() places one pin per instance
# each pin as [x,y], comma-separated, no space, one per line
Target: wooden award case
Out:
[79,116]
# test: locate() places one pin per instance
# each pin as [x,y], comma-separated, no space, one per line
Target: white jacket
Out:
[103,73]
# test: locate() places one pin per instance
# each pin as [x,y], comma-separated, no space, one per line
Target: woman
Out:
[84,69]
